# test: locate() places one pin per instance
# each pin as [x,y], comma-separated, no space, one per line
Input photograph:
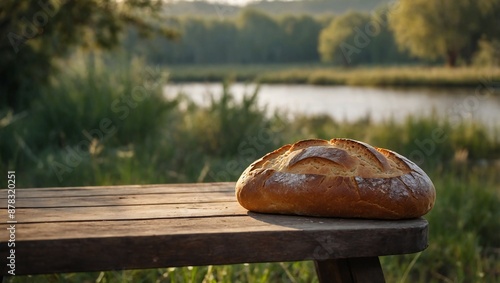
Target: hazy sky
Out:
[236,2]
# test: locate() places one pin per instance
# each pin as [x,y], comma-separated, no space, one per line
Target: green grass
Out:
[324,75]
[177,141]
[464,231]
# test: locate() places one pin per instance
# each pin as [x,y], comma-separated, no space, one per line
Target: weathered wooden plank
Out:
[215,224]
[226,240]
[123,200]
[120,190]
[130,212]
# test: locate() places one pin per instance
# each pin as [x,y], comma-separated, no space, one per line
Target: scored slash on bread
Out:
[336,178]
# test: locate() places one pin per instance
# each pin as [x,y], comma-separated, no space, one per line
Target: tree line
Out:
[422,31]
[252,37]
[257,37]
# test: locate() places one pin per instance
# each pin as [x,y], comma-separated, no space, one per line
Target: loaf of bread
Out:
[336,178]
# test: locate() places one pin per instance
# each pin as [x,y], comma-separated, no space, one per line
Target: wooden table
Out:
[130,227]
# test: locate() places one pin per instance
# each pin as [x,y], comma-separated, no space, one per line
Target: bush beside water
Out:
[147,139]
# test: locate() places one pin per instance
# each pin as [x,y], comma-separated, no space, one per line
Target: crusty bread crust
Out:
[336,178]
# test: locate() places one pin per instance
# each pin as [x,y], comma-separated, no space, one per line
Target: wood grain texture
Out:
[97,228]
[123,200]
[119,190]
[125,212]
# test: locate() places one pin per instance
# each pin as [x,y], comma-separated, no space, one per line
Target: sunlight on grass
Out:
[320,74]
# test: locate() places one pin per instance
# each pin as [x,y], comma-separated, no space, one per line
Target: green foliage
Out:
[444,29]
[300,38]
[227,135]
[261,35]
[129,97]
[463,233]
[333,45]
[34,33]
[226,123]
[252,37]
[388,35]
[488,53]
[256,37]
[89,112]
[356,38]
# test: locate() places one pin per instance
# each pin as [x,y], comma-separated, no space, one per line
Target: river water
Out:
[352,103]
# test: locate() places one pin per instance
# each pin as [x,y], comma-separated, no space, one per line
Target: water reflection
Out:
[352,103]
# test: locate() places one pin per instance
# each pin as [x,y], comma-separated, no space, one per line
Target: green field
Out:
[159,141]
[320,74]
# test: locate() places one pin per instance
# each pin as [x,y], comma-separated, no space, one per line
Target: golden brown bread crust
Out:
[336,178]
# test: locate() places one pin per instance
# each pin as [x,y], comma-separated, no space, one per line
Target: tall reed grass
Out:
[167,141]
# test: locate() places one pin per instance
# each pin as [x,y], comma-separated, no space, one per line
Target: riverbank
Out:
[325,75]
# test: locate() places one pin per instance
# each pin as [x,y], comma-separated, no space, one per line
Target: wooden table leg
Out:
[365,269]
